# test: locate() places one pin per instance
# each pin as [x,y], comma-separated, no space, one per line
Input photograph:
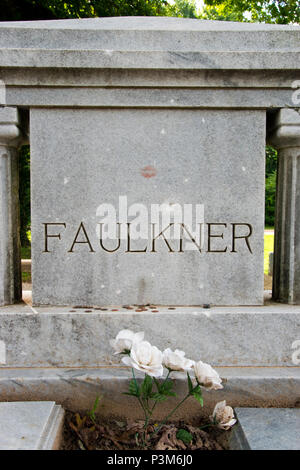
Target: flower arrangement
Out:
[141,355]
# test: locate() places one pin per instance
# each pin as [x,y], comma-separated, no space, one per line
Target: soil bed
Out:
[81,433]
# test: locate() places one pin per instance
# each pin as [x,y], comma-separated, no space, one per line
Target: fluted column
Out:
[10,260]
[285,137]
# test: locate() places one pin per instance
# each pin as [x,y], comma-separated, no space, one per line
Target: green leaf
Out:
[166,386]
[158,397]
[198,395]
[146,387]
[185,436]
[134,388]
[169,394]
[92,412]
[156,383]
[199,399]
[164,390]
[190,383]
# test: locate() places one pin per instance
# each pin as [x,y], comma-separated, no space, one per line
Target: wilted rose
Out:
[207,376]
[176,360]
[145,358]
[125,340]
[223,416]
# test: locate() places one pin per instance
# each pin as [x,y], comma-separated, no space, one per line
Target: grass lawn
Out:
[269,248]
[26,252]
[26,277]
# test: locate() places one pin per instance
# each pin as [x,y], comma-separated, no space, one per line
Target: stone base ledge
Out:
[77,389]
[79,337]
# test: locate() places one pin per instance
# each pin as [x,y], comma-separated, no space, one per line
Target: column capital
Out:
[10,134]
[285,131]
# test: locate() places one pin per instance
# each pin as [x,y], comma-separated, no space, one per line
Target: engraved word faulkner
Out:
[238,234]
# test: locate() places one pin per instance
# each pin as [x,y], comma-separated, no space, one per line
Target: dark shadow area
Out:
[270,195]
[24,10]
[25,234]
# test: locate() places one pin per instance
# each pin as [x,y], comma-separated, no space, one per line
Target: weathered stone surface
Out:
[162,43]
[142,52]
[160,97]
[151,63]
[51,77]
[266,429]
[286,273]
[58,87]
[77,62]
[77,389]
[214,158]
[222,336]
[30,425]
[10,263]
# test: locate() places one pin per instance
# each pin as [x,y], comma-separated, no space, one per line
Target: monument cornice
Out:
[182,97]
[150,59]
[149,43]
[149,62]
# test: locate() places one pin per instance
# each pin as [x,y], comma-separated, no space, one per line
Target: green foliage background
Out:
[15,10]
[264,11]
[271,173]
[268,11]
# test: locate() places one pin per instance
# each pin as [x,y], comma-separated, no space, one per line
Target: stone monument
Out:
[132,122]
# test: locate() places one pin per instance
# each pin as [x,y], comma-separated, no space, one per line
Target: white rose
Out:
[223,416]
[145,358]
[207,376]
[176,360]
[125,339]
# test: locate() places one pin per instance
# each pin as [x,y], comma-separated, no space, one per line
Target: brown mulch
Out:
[81,433]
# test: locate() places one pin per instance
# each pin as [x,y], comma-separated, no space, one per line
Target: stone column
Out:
[10,260]
[285,137]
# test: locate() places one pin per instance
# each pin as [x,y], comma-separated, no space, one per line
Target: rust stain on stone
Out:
[148,171]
